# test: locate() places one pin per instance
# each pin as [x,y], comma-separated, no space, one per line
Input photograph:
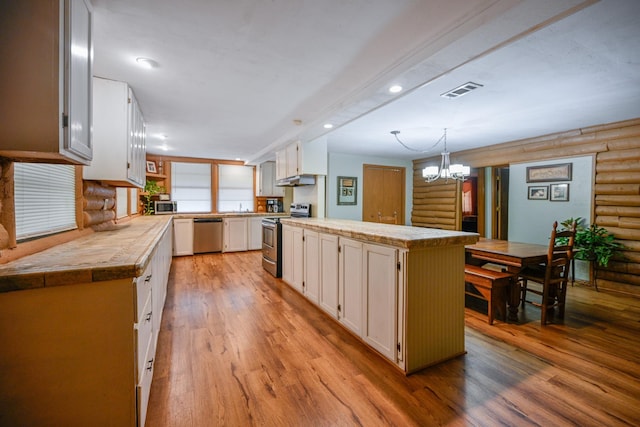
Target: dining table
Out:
[512,257]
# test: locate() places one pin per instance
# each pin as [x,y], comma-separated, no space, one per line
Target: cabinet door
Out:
[329,273]
[311,283]
[182,237]
[78,77]
[136,143]
[292,159]
[350,285]
[255,233]
[293,256]
[380,284]
[287,254]
[281,164]
[235,234]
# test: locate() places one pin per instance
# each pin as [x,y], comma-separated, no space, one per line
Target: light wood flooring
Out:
[238,347]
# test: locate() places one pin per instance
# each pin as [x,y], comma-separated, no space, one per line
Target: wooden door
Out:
[500,220]
[383,194]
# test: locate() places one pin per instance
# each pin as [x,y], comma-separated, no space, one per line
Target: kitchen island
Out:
[400,289]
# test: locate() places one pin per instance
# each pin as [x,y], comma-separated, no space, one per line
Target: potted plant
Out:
[593,244]
[151,188]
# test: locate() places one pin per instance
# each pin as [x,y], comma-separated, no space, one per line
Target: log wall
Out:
[99,205]
[616,194]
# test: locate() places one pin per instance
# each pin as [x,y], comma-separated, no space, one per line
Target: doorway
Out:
[500,200]
[383,194]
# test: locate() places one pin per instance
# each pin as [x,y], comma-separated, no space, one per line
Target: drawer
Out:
[143,290]
[144,332]
[144,386]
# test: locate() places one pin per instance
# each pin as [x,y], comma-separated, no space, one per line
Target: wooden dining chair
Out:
[553,274]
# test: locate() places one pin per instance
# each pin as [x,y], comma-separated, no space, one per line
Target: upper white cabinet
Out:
[298,158]
[266,177]
[119,136]
[46,107]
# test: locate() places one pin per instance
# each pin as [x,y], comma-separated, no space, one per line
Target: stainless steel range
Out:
[272,238]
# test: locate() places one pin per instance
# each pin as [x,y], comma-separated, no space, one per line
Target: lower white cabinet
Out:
[292,256]
[83,353]
[380,290]
[255,233]
[329,277]
[235,234]
[350,285]
[182,237]
[311,268]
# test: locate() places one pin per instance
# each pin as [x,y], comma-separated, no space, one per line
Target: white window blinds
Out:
[44,197]
[191,186]
[235,188]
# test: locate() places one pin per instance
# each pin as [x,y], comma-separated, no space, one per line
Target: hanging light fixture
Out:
[447,170]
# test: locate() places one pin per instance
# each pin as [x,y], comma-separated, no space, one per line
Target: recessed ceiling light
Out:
[147,63]
[395,89]
[328,126]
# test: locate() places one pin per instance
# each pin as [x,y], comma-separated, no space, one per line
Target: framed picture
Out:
[151,167]
[559,192]
[546,173]
[538,192]
[347,190]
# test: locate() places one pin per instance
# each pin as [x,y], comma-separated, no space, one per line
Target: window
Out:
[191,186]
[235,188]
[44,196]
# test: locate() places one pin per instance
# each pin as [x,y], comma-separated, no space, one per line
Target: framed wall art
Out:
[546,173]
[151,167]
[538,192]
[347,190]
[559,192]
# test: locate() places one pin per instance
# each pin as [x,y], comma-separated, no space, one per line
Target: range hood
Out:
[295,181]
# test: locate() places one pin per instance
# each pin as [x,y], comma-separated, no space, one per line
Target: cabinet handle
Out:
[148,278]
[150,365]
[148,317]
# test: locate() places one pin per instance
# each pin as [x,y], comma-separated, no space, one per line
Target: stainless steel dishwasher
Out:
[207,235]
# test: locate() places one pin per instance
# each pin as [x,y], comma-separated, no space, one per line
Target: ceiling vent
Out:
[461,90]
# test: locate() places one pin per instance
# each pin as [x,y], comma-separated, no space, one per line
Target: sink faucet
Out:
[240,207]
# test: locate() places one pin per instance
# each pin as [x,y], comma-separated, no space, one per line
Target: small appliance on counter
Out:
[272,238]
[274,205]
[165,207]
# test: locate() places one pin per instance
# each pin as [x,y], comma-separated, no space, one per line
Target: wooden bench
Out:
[492,286]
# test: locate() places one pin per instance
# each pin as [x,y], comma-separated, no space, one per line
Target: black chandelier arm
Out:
[396,132]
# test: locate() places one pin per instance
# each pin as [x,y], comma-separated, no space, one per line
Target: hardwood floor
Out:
[238,347]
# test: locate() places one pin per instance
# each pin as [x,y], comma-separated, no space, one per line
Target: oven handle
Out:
[265,259]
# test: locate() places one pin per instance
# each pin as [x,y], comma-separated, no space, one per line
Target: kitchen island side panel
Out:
[434,306]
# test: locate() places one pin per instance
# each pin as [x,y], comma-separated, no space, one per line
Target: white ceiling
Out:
[241,78]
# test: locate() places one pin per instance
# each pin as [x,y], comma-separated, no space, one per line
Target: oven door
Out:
[270,240]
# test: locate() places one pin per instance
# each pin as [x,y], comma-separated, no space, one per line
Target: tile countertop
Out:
[119,253]
[402,236]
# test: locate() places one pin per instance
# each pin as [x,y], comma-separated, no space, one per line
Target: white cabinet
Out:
[235,234]
[118,136]
[45,112]
[292,256]
[266,177]
[255,234]
[300,158]
[380,273]
[329,256]
[182,237]
[351,285]
[312,263]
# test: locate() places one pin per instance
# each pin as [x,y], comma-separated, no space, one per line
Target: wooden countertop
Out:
[230,215]
[119,253]
[402,236]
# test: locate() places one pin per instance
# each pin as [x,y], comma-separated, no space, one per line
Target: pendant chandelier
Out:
[447,170]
